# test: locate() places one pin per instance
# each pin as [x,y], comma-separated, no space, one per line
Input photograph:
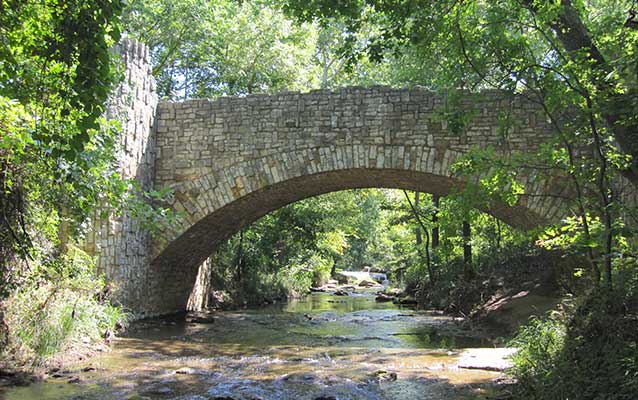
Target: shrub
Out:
[539,344]
[296,278]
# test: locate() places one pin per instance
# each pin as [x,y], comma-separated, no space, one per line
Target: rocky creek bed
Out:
[319,347]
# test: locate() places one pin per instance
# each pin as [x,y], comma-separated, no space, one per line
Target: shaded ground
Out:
[503,293]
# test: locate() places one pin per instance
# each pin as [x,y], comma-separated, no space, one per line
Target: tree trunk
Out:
[4,329]
[575,38]
[419,239]
[467,247]
[333,269]
[239,260]
[435,222]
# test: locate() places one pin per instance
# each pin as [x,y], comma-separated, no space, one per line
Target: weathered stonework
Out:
[232,160]
[122,244]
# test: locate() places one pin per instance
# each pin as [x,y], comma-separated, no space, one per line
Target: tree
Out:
[574,58]
[56,166]
[206,48]
[55,147]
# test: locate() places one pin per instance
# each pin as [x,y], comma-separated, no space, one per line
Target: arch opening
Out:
[179,262]
[200,240]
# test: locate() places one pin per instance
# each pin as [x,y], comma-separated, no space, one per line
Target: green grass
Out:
[59,307]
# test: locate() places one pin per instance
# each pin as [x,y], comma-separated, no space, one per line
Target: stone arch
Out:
[232,159]
[218,204]
[206,202]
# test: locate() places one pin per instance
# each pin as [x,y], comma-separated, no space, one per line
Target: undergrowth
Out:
[60,306]
[587,352]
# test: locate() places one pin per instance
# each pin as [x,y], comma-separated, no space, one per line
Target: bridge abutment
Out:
[122,245]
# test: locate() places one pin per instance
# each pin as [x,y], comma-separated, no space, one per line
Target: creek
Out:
[319,347]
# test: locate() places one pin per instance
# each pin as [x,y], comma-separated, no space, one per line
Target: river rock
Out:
[344,279]
[487,359]
[395,292]
[385,376]
[298,377]
[382,298]
[341,292]
[368,283]
[406,301]
[186,371]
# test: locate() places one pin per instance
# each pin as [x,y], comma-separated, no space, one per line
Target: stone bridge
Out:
[232,160]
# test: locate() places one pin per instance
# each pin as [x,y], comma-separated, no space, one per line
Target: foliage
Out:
[55,148]
[205,48]
[588,351]
[60,304]
[57,53]
[57,153]
[539,344]
[145,206]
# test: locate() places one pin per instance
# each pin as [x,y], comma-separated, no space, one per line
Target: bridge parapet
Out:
[194,135]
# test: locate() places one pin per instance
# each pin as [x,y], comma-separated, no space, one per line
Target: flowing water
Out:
[319,347]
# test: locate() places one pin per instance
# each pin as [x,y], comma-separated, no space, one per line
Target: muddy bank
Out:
[506,293]
[65,364]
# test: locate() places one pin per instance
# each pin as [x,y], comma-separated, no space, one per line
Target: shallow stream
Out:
[319,347]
